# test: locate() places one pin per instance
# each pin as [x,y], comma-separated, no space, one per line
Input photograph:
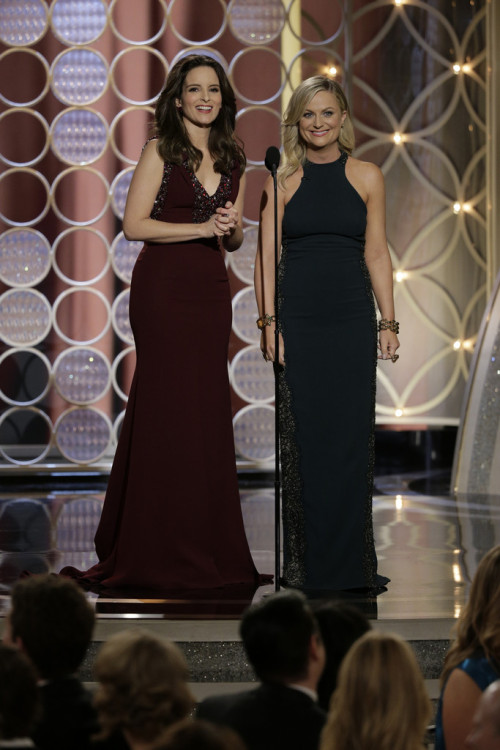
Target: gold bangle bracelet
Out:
[265,320]
[388,325]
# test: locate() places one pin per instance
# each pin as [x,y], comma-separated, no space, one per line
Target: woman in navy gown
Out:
[334,260]
[172,516]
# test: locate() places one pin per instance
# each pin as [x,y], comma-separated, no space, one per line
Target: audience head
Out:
[485,732]
[142,685]
[282,640]
[52,622]
[478,626]
[340,624]
[381,702]
[197,734]
[18,694]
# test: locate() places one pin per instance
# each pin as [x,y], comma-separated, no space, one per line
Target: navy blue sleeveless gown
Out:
[327,388]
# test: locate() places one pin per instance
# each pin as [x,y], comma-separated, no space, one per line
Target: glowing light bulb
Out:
[466,207]
[397,138]
[401,276]
[398,502]
[398,413]
[457,576]
[457,207]
[457,68]
[398,2]
[332,71]
[457,345]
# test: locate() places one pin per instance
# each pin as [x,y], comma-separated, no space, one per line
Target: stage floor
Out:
[428,544]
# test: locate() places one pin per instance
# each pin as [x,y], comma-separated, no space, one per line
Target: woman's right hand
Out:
[214,228]
[267,345]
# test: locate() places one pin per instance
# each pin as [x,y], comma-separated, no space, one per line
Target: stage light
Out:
[465,68]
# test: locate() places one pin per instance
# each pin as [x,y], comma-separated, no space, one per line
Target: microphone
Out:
[272,159]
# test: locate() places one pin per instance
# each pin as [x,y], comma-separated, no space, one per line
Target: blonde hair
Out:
[142,685]
[381,702]
[478,627]
[293,148]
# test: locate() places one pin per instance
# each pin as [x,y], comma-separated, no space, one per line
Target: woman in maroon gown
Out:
[172,517]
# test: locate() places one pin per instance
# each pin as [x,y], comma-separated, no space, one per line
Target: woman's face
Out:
[319,126]
[201,98]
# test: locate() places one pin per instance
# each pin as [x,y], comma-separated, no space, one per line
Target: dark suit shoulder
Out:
[270,717]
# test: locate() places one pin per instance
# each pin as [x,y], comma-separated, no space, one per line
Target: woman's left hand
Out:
[388,344]
[226,219]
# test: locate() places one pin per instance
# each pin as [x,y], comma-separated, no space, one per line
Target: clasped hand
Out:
[224,220]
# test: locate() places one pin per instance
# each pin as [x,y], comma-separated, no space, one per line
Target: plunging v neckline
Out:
[210,195]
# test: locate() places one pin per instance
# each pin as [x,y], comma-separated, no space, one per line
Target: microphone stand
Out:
[276,367]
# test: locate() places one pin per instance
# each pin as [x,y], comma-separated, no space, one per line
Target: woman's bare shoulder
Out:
[365,168]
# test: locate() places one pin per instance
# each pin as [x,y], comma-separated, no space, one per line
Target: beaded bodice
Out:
[203,205]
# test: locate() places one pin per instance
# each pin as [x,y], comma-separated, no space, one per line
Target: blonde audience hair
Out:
[381,702]
[142,685]
[294,149]
[478,627]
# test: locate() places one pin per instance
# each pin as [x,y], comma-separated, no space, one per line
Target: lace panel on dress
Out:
[294,543]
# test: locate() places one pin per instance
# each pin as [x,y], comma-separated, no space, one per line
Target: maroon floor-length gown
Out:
[172,516]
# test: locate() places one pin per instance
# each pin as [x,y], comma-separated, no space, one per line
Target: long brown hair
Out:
[174,145]
[478,627]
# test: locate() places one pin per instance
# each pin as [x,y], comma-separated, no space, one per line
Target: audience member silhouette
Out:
[196,734]
[485,732]
[381,702]
[52,622]
[141,689]
[283,644]
[340,624]
[473,660]
[18,698]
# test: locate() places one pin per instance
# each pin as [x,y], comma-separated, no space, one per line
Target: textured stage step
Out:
[217,661]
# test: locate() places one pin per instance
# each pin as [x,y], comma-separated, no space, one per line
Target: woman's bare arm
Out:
[137,223]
